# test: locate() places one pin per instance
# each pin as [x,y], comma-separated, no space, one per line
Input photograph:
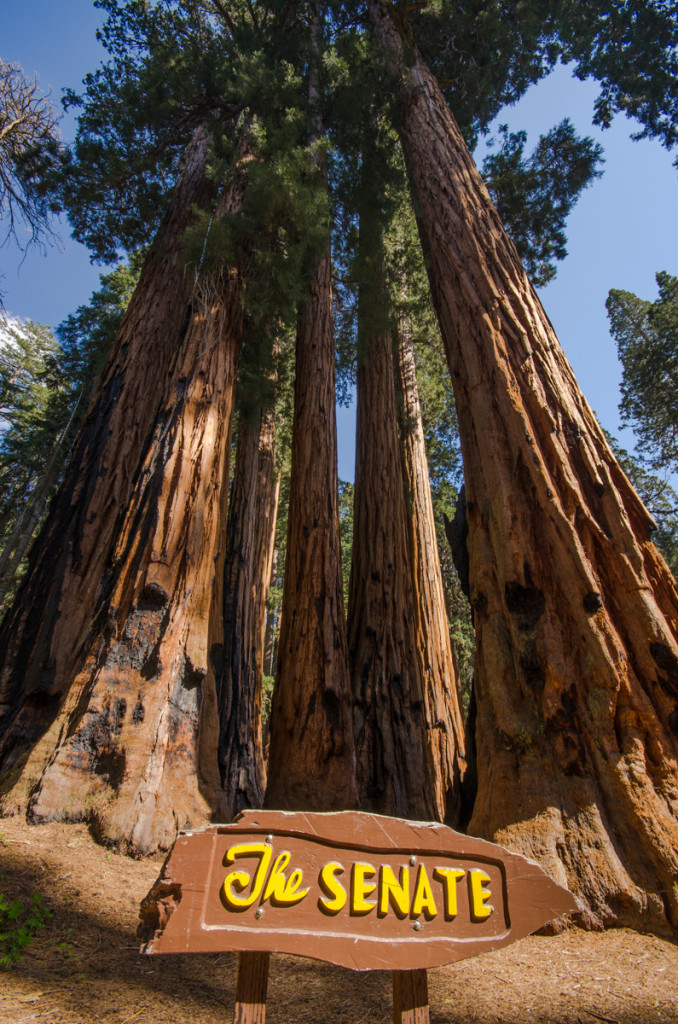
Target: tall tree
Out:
[659,498]
[171,377]
[45,634]
[312,756]
[404,711]
[137,756]
[442,696]
[395,774]
[312,759]
[576,614]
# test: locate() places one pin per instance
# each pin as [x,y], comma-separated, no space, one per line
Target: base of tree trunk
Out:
[132,749]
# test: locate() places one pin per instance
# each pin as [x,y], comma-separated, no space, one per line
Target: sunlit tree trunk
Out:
[125,750]
[249,551]
[401,701]
[47,632]
[133,745]
[444,723]
[576,614]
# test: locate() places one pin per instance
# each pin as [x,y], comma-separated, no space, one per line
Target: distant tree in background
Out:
[31,437]
[660,499]
[29,143]
[535,194]
[647,342]
[46,384]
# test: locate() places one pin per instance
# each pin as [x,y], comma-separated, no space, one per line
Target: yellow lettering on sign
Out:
[332,887]
[283,891]
[240,879]
[423,901]
[394,892]
[361,888]
[449,877]
[478,896]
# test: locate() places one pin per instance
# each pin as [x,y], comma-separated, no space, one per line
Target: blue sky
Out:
[57,41]
[621,233]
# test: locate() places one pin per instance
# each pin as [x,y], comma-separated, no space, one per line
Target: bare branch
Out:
[28,139]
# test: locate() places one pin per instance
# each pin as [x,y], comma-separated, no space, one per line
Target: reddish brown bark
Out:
[311,752]
[576,614]
[444,722]
[249,551]
[132,748]
[45,635]
[312,757]
[395,774]
[125,751]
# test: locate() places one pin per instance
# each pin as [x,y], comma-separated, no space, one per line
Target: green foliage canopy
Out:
[534,195]
[487,53]
[646,334]
[45,387]
[660,499]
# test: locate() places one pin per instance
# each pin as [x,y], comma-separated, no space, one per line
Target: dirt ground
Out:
[85,965]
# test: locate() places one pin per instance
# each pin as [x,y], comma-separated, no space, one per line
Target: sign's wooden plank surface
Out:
[359,890]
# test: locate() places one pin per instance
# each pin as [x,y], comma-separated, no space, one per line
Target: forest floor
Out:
[84,966]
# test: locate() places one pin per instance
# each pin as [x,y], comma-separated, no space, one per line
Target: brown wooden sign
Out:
[358,890]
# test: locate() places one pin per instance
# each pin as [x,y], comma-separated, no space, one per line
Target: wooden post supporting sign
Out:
[410,997]
[353,889]
[251,987]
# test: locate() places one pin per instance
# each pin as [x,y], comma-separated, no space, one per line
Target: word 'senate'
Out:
[363,889]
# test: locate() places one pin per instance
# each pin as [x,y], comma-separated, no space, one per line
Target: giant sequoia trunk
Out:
[249,553]
[445,727]
[576,614]
[47,632]
[133,746]
[270,629]
[405,756]
[312,757]
[395,774]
